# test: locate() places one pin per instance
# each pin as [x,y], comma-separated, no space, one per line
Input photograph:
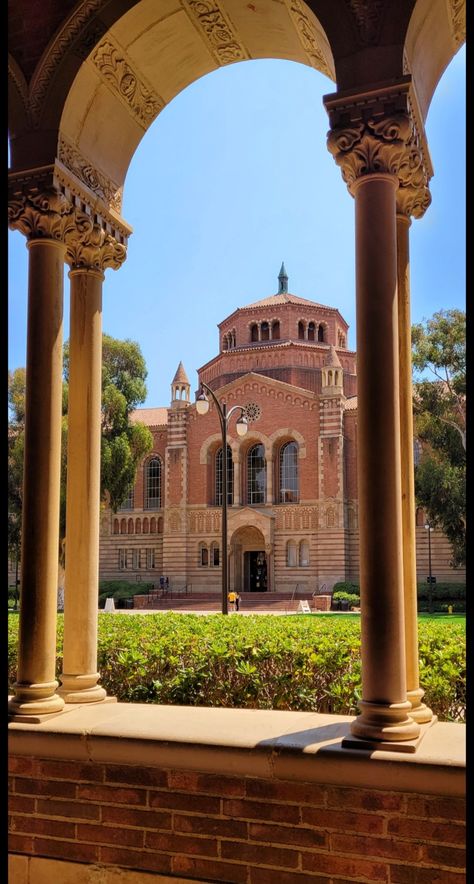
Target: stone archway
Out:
[249,561]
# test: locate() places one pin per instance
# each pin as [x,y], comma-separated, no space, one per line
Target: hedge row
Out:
[259,662]
[443,595]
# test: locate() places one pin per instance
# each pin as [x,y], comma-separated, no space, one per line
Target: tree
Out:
[123,444]
[439,350]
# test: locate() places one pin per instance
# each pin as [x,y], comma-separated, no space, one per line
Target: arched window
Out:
[116,526]
[276,330]
[225,343]
[291,554]
[256,475]
[153,525]
[288,478]
[264,331]
[254,332]
[215,554]
[138,526]
[203,555]
[321,333]
[131,528]
[311,331]
[123,526]
[304,554]
[145,526]
[153,484]
[160,526]
[301,331]
[218,477]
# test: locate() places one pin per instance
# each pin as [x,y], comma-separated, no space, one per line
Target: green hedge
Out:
[120,590]
[442,594]
[260,662]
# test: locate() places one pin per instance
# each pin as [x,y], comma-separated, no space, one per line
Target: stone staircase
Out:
[285,601]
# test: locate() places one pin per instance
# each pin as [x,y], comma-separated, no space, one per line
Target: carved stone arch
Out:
[288,434]
[209,448]
[254,438]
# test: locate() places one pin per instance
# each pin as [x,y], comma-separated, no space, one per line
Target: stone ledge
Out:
[257,743]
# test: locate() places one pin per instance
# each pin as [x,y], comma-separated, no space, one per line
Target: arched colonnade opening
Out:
[74,129]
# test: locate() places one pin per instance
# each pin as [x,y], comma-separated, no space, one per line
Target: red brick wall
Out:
[230,828]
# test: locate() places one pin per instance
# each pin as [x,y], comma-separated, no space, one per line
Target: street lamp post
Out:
[429,528]
[202,407]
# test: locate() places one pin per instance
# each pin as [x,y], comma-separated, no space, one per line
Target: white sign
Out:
[109,605]
[303,607]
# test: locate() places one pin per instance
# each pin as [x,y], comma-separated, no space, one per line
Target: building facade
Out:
[291,480]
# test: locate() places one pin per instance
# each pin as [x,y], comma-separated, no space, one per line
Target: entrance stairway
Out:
[286,601]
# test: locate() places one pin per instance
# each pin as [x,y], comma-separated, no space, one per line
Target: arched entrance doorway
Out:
[250,571]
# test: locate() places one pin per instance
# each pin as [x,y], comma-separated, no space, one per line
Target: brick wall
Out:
[247,830]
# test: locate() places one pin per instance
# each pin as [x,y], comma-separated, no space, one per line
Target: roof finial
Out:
[282,281]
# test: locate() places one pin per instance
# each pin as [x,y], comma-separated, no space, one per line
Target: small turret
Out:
[180,388]
[331,374]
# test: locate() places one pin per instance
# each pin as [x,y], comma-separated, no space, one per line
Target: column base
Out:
[81,688]
[389,724]
[407,746]
[419,711]
[34,699]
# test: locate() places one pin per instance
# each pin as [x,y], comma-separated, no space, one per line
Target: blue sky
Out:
[233,178]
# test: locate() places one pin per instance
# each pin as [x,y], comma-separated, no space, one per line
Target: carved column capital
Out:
[90,247]
[380,131]
[41,213]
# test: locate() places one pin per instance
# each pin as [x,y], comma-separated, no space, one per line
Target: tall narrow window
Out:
[215,554]
[301,331]
[153,484]
[256,475]
[311,331]
[304,554]
[203,555]
[218,477]
[321,333]
[291,554]
[264,331]
[288,479]
[276,330]
[254,332]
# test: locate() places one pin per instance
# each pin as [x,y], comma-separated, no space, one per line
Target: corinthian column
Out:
[90,252]
[372,139]
[45,216]
[420,712]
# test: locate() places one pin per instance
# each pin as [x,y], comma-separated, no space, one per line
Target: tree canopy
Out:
[123,443]
[439,401]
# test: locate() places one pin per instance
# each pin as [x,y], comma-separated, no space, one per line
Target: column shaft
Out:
[236,465]
[270,480]
[420,712]
[36,684]
[80,676]
[384,706]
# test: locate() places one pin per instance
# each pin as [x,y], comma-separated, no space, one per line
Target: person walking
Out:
[231,600]
[237,601]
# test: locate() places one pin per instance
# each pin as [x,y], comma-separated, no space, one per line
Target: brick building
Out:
[292,479]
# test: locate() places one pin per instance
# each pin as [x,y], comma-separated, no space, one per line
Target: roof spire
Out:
[282,281]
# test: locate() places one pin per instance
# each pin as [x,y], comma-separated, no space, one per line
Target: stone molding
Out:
[367,18]
[307,33]
[106,189]
[380,131]
[217,29]
[49,203]
[71,29]
[117,70]
[457,15]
